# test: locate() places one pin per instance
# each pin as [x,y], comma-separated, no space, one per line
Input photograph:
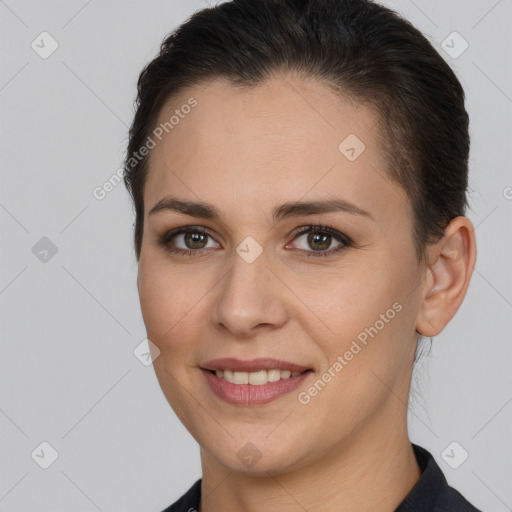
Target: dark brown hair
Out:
[359,48]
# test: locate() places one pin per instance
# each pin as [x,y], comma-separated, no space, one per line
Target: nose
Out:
[250,298]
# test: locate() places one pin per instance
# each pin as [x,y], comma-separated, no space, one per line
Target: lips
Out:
[255,382]
[254,365]
[256,394]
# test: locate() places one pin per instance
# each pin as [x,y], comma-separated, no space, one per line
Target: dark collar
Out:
[431,492]
[425,492]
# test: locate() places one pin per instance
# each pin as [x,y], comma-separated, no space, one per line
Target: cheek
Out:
[367,315]
[366,360]
[166,297]
[349,300]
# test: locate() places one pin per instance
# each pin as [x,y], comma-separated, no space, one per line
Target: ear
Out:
[450,264]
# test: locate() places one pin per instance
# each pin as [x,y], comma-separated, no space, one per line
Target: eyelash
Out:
[345,241]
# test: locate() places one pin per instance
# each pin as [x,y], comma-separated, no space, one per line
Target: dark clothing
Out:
[431,492]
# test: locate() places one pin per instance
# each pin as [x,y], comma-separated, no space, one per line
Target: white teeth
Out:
[228,375]
[255,378]
[273,375]
[241,378]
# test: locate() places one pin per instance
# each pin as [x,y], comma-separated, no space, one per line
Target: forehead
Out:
[282,140]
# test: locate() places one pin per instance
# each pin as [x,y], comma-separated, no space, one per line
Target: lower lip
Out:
[248,394]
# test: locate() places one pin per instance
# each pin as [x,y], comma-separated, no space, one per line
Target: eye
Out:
[321,238]
[193,240]
[188,241]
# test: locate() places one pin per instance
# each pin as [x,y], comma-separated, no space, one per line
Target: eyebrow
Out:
[286,210]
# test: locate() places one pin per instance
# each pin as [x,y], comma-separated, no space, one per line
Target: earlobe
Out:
[451,264]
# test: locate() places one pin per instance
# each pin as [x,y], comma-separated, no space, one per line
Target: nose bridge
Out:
[250,293]
[247,275]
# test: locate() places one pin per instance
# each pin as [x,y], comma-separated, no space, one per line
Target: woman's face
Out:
[255,283]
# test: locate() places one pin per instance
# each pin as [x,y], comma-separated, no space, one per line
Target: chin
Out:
[274,465]
[253,458]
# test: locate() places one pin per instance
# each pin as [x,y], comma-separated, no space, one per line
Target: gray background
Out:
[70,323]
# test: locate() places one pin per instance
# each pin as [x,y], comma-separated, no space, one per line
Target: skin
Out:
[246,152]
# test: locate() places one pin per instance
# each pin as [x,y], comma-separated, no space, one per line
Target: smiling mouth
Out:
[256,378]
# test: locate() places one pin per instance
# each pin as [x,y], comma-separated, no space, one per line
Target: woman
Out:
[299,171]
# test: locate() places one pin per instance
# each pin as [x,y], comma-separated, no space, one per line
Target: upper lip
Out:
[266,363]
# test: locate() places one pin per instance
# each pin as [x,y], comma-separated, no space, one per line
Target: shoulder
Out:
[432,492]
[189,502]
[451,500]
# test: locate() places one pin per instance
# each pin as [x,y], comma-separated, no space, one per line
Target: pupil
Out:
[314,239]
[193,238]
